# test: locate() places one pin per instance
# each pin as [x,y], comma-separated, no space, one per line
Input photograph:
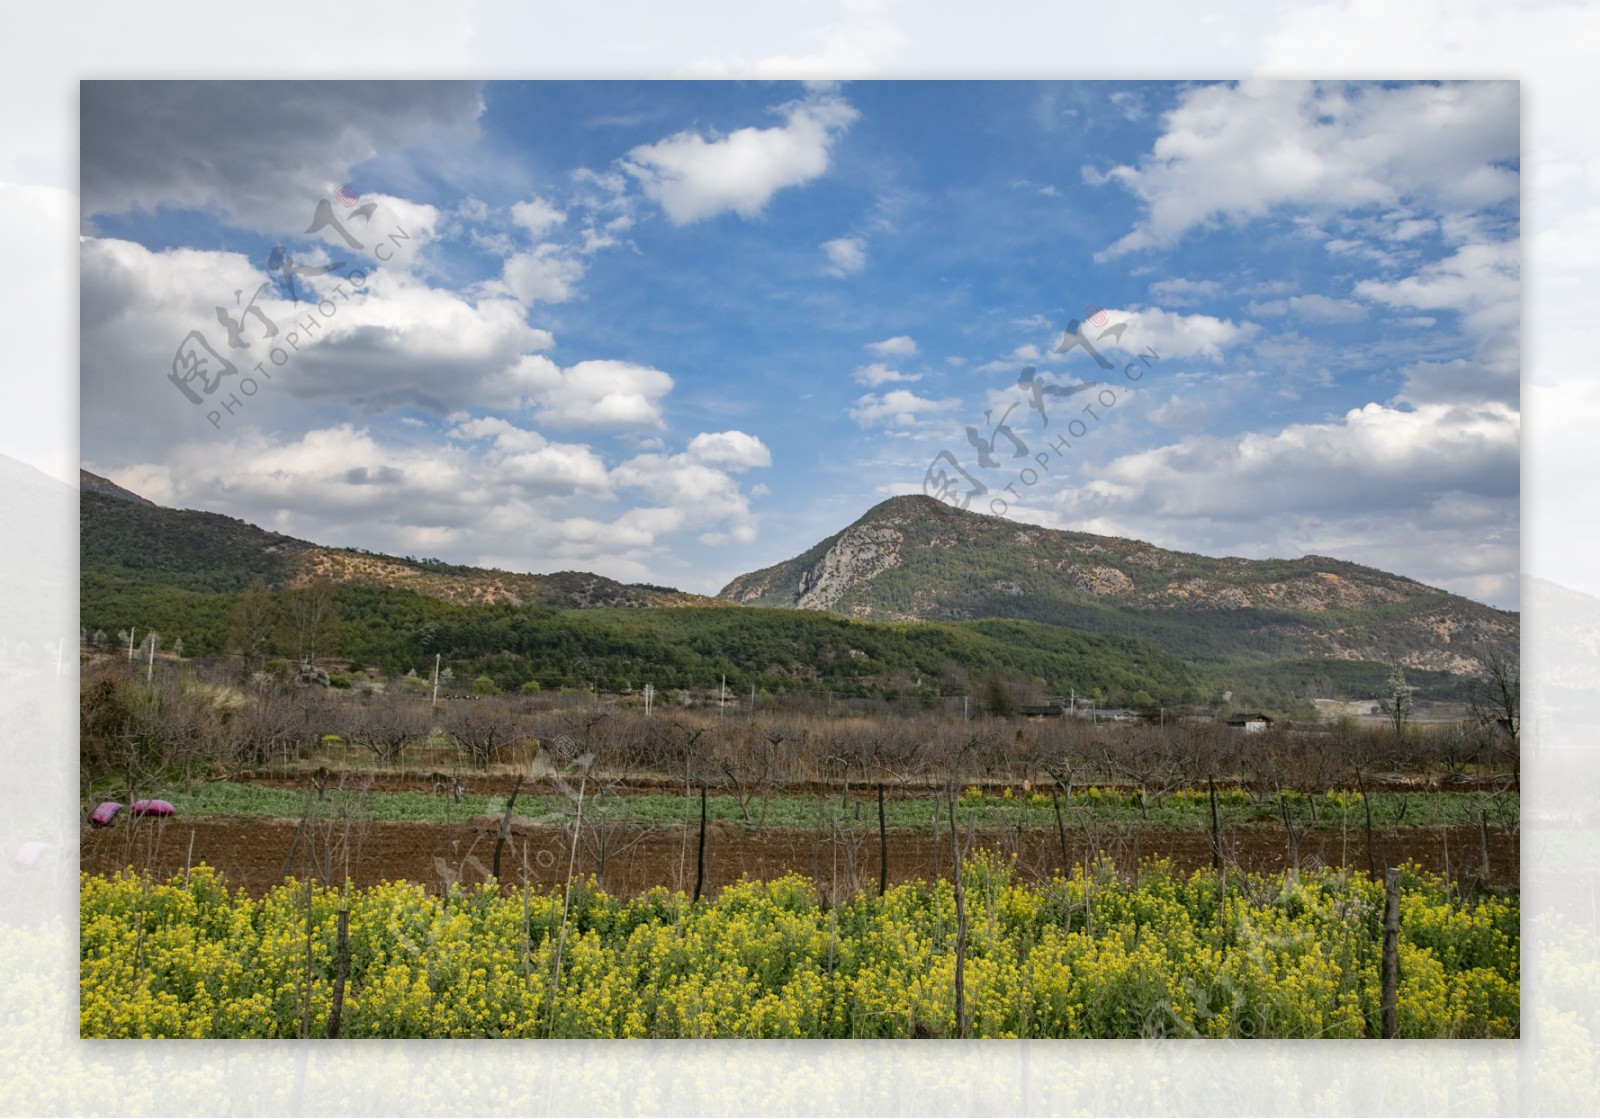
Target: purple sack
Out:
[101,817]
[152,808]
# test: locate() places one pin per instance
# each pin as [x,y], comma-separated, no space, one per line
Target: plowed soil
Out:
[253,853]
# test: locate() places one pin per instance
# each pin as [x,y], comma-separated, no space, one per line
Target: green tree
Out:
[997,698]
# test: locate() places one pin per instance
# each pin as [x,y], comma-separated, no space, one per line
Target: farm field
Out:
[634,842]
[1091,955]
[368,866]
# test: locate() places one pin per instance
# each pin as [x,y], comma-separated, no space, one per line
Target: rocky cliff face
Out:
[858,554]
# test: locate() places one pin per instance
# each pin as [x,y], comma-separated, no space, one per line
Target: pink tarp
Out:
[152,808]
[102,816]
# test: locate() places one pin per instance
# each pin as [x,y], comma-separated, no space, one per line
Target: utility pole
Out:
[130,642]
[436,658]
[722,697]
[150,668]
[647,690]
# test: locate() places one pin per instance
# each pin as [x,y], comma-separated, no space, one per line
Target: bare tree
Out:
[1496,700]
[387,725]
[250,627]
[481,728]
[310,614]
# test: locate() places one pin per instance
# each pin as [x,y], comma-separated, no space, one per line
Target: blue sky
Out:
[675,331]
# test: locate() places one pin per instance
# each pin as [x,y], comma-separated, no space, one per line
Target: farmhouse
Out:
[1250,721]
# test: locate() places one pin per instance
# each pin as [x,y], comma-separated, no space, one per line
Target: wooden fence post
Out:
[883,847]
[700,865]
[1391,953]
[1216,829]
[961,921]
[505,826]
[341,970]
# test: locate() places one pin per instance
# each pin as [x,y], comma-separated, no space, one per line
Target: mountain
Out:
[915,558]
[125,537]
[179,572]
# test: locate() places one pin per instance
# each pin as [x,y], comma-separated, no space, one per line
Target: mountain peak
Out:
[913,558]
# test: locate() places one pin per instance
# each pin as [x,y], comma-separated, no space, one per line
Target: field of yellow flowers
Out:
[1091,955]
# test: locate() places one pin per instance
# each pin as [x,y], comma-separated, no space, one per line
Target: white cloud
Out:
[597,394]
[1375,457]
[732,449]
[492,493]
[1431,492]
[1482,282]
[1169,333]
[1236,152]
[694,178]
[877,373]
[397,343]
[899,407]
[541,275]
[901,345]
[846,255]
[537,216]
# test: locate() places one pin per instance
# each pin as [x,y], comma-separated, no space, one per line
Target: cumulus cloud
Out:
[543,274]
[877,373]
[598,394]
[395,343]
[1170,333]
[537,216]
[693,178]
[493,492]
[1375,457]
[734,450]
[900,407]
[846,255]
[259,154]
[1431,491]
[901,345]
[1482,282]
[1237,152]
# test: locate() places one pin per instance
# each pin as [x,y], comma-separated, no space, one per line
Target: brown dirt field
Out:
[500,780]
[251,852]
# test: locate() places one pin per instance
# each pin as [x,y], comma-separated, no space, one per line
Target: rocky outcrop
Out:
[1099,579]
[859,554]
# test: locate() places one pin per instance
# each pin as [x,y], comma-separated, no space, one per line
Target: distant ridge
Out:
[126,536]
[915,558]
[105,487]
